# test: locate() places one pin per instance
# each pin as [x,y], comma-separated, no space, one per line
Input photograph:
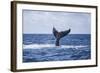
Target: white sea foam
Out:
[39,46]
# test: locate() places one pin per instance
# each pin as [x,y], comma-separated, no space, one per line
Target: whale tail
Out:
[59,35]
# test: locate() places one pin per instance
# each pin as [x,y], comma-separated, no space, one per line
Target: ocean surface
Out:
[41,47]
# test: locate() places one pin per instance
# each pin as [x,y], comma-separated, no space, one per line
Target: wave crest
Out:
[39,46]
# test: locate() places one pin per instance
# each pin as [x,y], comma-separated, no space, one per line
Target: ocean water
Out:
[41,47]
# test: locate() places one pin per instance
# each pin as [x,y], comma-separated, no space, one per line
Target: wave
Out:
[39,46]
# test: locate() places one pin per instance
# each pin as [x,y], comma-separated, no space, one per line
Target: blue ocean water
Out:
[41,47]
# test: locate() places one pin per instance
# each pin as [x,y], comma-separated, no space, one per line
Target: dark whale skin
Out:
[59,35]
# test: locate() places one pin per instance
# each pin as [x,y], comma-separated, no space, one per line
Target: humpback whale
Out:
[59,35]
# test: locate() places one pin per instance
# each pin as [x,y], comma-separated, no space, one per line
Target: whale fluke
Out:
[59,35]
